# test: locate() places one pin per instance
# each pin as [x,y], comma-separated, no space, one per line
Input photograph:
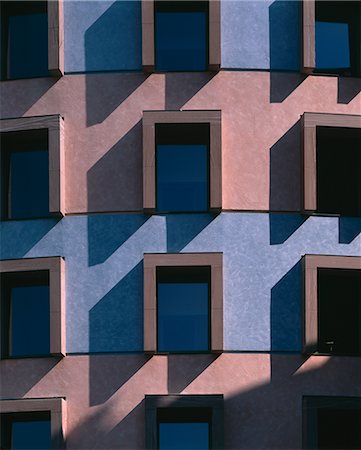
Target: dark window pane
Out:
[338,428]
[183,309]
[29,184]
[338,37]
[31,435]
[181,36]
[332,45]
[339,171]
[182,177]
[184,436]
[339,306]
[30,321]
[28,46]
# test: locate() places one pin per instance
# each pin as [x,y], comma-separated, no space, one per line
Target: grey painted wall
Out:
[104,254]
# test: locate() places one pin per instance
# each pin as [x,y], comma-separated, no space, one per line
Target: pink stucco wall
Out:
[103,129]
[105,394]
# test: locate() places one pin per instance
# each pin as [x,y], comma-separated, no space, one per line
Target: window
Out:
[182,161]
[32,307]
[181,36]
[332,422]
[332,304]
[31,39]
[184,421]
[183,302]
[332,163]
[28,424]
[32,167]
[331,37]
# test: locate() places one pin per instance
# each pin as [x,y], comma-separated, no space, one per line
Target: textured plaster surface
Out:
[103,133]
[104,270]
[102,35]
[105,394]
[261,34]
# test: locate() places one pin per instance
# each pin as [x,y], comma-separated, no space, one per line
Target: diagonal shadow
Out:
[183,369]
[348,88]
[282,226]
[112,43]
[18,237]
[106,233]
[183,228]
[116,321]
[349,229]
[113,183]
[285,171]
[286,298]
[181,87]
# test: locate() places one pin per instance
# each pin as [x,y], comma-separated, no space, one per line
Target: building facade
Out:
[106,232]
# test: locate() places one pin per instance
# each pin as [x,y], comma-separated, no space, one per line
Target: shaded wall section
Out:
[103,131]
[104,270]
[261,34]
[105,394]
[102,36]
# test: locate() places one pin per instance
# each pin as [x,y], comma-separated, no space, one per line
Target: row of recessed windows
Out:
[180,422]
[181,164]
[183,305]
[179,36]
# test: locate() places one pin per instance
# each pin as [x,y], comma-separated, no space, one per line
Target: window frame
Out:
[310,406]
[56,268]
[56,406]
[308,63]
[309,122]
[310,265]
[148,35]
[211,117]
[154,260]
[55,14]
[213,402]
[55,126]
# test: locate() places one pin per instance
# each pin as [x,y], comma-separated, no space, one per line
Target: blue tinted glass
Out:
[180,40]
[183,317]
[182,177]
[30,321]
[332,45]
[29,184]
[31,435]
[184,436]
[28,45]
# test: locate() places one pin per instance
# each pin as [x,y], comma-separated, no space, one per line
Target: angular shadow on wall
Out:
[183,369]
[183,228]
[103,97]
[18,237]
[112,43]
[30,371]
[96,432]
[107,374]
[348,88]
[286,298]
[284,49]
[181,87]
[282,226]
[115,181]
[106,233]
[285,171]
[116,321]
[349,229]
[16,98]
